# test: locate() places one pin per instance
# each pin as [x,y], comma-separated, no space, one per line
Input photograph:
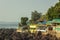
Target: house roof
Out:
[49,22]
[56,21]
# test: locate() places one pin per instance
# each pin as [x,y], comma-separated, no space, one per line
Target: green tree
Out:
[59,0]
[44,17]
[35,16]
[54,12]
[24,20]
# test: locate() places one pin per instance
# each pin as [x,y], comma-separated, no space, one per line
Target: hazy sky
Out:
[13,10]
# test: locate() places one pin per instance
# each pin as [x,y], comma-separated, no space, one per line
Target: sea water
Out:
[8,25]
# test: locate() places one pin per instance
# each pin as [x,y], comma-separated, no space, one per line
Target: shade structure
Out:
[49,22]
[56,21]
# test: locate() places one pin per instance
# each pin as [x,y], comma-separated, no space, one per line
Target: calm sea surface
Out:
[8,25]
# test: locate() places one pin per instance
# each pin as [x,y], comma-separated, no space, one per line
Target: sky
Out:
[13,10]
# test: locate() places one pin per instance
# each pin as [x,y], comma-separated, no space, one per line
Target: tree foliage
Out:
[24,20]
[35,16]
[59,0]
[54,12]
